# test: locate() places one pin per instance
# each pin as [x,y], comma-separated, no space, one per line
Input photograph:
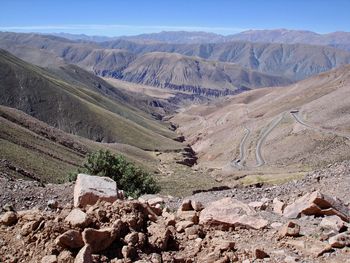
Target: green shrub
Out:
[130,178]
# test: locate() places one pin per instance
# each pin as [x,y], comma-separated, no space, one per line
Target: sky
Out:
[130,17]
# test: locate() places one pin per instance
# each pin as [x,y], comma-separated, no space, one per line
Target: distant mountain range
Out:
[335,39]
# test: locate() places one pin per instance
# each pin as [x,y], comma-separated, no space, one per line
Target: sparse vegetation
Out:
[134,180]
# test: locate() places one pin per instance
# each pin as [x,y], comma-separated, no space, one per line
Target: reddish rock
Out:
[186,205]
[159,236]
[230,212]
[316,204]
[260,254]
[132,238]
[278,206]
[89,189]
[341,240]
[197,205]
[332,222]
[78,218]
[188,216]
[99,239]
[84,255]
[9,218]
[70,239]
[290,229]
[182,225]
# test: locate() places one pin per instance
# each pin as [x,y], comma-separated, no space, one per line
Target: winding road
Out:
[260,161]
[259,158]
[239,163]
[298,119]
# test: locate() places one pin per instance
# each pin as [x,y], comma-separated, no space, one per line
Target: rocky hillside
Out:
[294,61]
[299,221]
[77,108]
[273,133]
[263,63]
[203,77]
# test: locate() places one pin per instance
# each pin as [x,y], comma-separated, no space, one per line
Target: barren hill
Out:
[276,130]
[77,108]
[113,58]
[295,61]
[175,71]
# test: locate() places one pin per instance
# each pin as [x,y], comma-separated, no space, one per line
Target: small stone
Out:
[182,225]
[132,238]
[65,257]
[84,255]
[341,240]
[290,229]
[276,225]
[78,218]
[197,205]
[8,207]
[186,205]
[49,259]
[9,218]
[278,206]
[333,223]
[260,254]
[128,252]
[156,258]
[188,216]
[53,204]
[258,205]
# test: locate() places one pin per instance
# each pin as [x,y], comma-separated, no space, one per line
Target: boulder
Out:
[78,218]
[9,218]
[231,213]
[290,229]
[341,240]
[84,255]
[317,204]
[333,223]
[99,239]
[70,239]
[89,189]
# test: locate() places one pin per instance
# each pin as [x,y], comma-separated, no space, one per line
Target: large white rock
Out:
[231,212]
[89,189]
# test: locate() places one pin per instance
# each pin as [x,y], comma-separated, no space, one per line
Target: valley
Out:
[175,131]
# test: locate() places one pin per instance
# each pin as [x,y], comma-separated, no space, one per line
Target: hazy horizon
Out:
[119,18]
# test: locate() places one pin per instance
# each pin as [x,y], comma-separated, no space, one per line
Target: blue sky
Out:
[129,17]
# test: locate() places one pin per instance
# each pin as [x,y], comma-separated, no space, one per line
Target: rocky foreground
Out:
[301,221]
